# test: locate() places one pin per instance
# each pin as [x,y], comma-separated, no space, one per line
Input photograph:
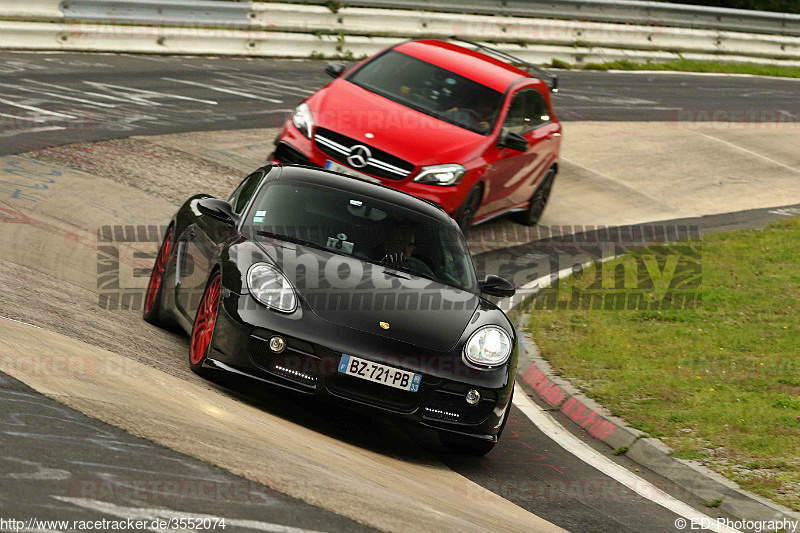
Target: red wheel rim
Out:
[158,272]
[204,322]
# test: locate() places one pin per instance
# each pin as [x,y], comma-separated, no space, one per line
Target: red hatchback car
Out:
[455,126]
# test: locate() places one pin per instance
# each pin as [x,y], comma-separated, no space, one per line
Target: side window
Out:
[245,191]
[517,117]
[528,110]
[539,112]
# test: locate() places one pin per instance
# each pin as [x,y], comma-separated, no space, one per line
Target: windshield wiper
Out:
[414,273]
[295,240]
[395,274]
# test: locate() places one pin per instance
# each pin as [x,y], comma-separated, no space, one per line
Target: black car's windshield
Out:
[430,89]
[364,227]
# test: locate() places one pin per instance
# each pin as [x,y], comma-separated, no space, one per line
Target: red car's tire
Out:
[155,288]
[538,202]
[204,322]
[470,206]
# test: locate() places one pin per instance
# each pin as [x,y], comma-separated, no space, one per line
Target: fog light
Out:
[473,397]
[277,344]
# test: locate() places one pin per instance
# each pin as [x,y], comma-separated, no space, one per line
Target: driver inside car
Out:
[398,252]
[480,116]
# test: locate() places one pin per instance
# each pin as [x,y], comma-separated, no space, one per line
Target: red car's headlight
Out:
[444,175]
[303,120]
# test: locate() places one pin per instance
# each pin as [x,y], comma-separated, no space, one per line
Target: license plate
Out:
[336,167]
[378,373]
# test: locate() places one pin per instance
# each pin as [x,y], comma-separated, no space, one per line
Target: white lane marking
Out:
[29,119]
[710,74]
[43,473]
[142,96]
[619,182]
[262,80]
[36,109]
[57,95]
[149,514]
[786,211]
[224,90]
[69,89]
[793,169]
[19,322]
[13,133]
[647,108]
[588,455]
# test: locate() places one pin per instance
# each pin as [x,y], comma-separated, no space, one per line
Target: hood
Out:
[399,130]
[358,295]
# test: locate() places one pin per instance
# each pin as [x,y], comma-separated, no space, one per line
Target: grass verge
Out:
[688,65]
[719,383]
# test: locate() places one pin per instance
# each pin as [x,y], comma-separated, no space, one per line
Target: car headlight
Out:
[271,288]
[444,175]
[303,120]
[488,347]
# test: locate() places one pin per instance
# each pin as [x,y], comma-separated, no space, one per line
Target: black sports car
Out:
[328,285]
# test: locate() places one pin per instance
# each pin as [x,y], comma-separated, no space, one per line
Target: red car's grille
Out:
[361,156]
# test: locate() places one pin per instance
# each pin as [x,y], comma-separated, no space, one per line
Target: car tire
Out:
[466,212]
[155,288]
[204,324]
[538,202]
[464,445]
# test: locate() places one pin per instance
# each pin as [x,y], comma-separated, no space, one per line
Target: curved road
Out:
[56,99]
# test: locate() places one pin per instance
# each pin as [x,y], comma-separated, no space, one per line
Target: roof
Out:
[382,192]
[471,64]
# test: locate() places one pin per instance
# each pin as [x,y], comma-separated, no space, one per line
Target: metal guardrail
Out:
[268,28]
[618,11]
[236,14]
[159,12]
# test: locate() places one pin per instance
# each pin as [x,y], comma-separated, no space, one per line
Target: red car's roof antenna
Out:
[548,77]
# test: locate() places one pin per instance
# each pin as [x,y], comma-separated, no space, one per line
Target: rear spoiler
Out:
[548,77]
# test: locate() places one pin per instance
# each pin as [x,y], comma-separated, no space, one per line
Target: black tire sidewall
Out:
[199,368]
[153,316]
[529,218]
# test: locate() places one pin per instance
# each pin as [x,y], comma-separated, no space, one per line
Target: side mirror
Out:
[515,141]
[497,286]
[216,208]
[334,69]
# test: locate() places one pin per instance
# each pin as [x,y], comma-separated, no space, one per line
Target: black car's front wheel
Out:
[204,323]
[531,216]
[155,289]
[470,445]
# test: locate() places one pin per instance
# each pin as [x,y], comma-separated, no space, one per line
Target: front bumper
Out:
[241,346]
[294,148]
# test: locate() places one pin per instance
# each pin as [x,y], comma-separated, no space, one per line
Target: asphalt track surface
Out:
[55,99]
[61,98]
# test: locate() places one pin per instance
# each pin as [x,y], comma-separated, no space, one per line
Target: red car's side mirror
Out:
[515,141]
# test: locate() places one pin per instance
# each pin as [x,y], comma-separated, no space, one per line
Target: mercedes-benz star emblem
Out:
[359,156]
